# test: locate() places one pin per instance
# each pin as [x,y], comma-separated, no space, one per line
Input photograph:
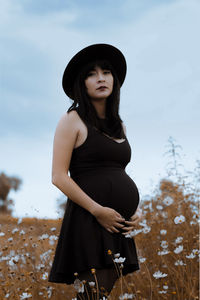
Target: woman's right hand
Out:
[109,218]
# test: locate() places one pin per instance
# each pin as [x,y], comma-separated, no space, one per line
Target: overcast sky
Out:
[160,96]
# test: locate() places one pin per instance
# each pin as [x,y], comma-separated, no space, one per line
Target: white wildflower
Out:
[53,229]
[159,274]
[15,230]
[16,258]
[179,263]
[164,214]
[163,231]
[117,255]
[178,239]
[43,237]
[91,283]
[178,249]
[126,296]
[133,233]
[2,233]
[23,259]
[10,239]
[40,266]
[19,221]
[119,260]
[136,232]
[179,219]
[52,239]
[165,287]
[196,251]
[143,223]
[25,296]
[4,258]
[128,235]
[193,222]
[162,292]
[148,206]
[22,232]
[159,207]
[168,200]
[146,229]
[7,295]
[164,252]
[79,286]
[191,256]
[142,259]
[45,276]
[49,291]
[164,244]
[44,256]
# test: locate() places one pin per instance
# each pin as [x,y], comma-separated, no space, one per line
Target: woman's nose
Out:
[100,77]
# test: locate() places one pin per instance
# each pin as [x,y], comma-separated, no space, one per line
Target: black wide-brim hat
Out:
[89,54]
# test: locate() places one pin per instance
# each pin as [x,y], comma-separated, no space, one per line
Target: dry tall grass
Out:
[167,243]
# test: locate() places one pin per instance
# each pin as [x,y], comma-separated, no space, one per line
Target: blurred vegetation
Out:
[7,183]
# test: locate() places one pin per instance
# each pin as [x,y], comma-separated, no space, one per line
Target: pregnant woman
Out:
[90,142]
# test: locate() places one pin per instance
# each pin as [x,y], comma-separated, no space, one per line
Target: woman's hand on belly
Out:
[134,220]
[109,218]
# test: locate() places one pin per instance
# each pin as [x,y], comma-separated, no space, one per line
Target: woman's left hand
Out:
[134,220]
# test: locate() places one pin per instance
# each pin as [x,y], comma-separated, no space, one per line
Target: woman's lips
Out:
[102,87]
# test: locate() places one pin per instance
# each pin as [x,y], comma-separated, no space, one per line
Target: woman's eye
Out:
[90,74]
[107,72]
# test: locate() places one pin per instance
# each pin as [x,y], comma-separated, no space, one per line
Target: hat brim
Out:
[89,54]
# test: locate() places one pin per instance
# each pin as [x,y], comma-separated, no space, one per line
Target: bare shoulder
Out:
[67,128]
[70,117]
[69,120]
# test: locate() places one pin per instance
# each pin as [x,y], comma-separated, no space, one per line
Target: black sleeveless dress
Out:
[98,167]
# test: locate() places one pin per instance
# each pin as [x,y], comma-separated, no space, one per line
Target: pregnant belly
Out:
[112,189]
[124,195]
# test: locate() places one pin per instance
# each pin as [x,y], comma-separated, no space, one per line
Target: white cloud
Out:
[44,32]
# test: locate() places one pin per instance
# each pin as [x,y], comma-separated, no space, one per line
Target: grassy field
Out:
[167,241]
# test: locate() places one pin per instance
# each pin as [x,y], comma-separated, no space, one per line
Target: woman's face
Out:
[99,83]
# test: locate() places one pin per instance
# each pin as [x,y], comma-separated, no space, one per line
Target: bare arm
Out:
[64,140]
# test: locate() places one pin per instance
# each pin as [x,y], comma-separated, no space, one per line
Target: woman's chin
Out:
[101,96]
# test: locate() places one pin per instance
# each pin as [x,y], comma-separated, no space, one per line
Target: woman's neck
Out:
[100,107]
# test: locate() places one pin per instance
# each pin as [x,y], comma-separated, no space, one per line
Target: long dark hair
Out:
[86,108]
